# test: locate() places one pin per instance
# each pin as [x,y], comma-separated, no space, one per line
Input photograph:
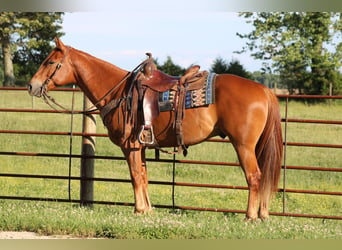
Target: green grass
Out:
[119,222]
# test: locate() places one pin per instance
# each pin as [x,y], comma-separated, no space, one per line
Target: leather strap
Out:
[179,119]
[113,104]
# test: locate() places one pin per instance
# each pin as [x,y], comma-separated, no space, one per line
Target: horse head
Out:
[56,70]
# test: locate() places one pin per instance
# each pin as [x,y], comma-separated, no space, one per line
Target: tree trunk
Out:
[9,79]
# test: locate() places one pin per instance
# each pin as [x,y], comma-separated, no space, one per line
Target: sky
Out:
[122,36]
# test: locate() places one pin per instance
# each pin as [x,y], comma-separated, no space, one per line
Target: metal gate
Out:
[283,190]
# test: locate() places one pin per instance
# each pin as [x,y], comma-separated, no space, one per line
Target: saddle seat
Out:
[161,82]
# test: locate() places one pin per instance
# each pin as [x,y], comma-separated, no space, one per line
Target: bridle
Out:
[43,92]
[50,78]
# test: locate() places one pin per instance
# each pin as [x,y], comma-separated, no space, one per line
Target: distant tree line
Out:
[219,66]
[222,66]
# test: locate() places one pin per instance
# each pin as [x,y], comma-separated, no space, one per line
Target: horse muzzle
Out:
[36,89]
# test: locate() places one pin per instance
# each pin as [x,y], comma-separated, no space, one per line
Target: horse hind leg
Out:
[264,205]
[252,172]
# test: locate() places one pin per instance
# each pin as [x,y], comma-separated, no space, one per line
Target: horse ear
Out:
[59,44]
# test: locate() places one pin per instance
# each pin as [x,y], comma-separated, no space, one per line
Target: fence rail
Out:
[285,120]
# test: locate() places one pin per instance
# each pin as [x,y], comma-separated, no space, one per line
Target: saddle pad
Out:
[193,98]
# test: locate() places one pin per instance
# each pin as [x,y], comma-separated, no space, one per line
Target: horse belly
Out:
[198,124]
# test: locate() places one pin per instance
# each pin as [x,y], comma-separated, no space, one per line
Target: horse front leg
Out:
[135,157]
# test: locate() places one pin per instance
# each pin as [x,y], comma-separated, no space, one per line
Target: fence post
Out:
[87,162]
[284,153]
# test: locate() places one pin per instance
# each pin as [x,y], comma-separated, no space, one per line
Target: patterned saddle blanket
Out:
[194,98]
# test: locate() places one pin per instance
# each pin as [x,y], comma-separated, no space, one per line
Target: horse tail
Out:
[269,149]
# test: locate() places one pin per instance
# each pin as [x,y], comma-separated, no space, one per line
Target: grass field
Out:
[119,222]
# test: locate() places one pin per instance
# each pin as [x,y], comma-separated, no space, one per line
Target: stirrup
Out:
[146,138]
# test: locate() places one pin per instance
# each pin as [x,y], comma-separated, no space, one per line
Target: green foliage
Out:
[296,44]
[220,66]
[235,68]
[170,68]
[29,35]
[267,79]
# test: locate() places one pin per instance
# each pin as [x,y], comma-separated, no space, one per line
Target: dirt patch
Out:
[31,235]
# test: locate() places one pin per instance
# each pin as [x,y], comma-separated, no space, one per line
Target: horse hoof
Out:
[142,211]
[250,219]
[264,218]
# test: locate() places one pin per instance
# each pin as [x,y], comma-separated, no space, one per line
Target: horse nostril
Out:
[29,87]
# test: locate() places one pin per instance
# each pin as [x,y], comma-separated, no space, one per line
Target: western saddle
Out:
[151,82]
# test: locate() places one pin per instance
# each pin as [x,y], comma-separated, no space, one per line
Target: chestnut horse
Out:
[245,111]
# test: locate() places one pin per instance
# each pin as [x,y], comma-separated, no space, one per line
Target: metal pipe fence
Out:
[284,190]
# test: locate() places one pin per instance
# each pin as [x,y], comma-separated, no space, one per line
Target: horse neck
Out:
[96,77]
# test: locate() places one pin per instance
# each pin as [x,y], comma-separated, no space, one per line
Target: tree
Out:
[170,68]
[236,68]
[296,44]
[25,40]
[1,70]
[220,66]
[267,79]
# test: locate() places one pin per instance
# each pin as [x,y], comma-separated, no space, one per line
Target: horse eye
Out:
[51,62]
